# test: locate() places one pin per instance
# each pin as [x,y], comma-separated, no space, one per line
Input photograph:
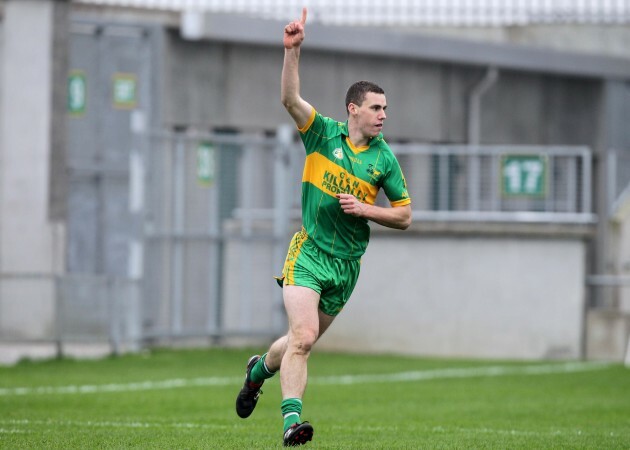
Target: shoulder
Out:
[383,147]
[322,127]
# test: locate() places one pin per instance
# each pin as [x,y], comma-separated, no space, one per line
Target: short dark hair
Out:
[356,92]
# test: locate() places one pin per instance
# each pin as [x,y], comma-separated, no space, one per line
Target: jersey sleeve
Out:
[394,184]
[315,131]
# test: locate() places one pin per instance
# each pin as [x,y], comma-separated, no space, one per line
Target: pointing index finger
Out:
[303,19]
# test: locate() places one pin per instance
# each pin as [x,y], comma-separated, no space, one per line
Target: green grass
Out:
[586,408]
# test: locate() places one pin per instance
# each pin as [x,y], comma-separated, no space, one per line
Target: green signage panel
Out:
[124,90]
[524,175]
[206,164]
[77,93]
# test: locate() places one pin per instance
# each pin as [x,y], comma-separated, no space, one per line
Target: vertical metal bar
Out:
[246,230]
[586,181]
[474,179]
[57,280]
[444,182]
[495,195]
[572,185]
[474,135]
[214,322]
[137,208]
[611,160]
[178,230]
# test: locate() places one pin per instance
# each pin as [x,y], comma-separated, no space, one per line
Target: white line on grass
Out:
[20,426]
[488,371]
[106,424]
[512,432]
[420,375]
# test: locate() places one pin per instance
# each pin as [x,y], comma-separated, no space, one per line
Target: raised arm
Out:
[298,108]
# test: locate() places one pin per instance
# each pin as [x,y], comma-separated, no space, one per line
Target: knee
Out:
[302,341]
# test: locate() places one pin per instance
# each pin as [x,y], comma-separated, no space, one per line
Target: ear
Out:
[352,108]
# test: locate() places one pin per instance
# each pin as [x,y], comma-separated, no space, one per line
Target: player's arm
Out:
[398,217]
[298,108]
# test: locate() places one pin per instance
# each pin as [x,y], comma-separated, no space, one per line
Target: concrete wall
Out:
[465,294]
[211,84]
[29,242]
[471,296]
[602,39]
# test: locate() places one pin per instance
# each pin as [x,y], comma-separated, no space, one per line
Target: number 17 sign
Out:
[524,175]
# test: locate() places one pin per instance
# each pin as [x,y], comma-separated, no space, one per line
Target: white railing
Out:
[407,12]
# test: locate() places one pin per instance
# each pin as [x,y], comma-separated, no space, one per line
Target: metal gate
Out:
[172,215]
[110,78]
[214,213]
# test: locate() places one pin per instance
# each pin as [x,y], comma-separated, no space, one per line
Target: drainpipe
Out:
[474,134]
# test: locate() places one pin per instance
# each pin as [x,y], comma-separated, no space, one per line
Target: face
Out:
[370,116]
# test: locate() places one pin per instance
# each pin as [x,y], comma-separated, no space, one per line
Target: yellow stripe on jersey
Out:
[403,202]
[309,122]
[333,179]
[355,149]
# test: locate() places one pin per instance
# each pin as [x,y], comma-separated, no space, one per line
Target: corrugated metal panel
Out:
[406,12]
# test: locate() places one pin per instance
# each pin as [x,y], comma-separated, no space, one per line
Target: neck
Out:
[356,137]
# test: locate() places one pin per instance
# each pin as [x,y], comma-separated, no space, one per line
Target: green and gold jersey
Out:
[334,165]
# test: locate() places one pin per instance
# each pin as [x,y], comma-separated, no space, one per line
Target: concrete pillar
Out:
[32,144]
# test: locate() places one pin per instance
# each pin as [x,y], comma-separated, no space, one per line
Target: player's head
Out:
[356,93]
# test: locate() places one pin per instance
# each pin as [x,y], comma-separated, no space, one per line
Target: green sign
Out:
[124,90]
[206,164]
[77,93]
[524,175]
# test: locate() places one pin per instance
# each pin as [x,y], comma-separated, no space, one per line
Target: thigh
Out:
[325,321]
[301,304]
[302,307]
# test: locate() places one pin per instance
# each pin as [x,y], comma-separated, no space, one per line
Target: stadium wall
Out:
[212,84]
[467,296]
[492,292]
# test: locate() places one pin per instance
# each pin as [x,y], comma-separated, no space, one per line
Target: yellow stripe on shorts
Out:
[292,255]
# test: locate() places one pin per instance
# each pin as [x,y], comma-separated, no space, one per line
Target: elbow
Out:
[406,221]
[289,103]
[285,102]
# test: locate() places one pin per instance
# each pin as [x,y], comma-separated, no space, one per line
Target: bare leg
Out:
[306,325]
[275,354]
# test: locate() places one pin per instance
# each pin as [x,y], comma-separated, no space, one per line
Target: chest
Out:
[367,164]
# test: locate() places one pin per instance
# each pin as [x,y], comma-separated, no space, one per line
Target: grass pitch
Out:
[185,399]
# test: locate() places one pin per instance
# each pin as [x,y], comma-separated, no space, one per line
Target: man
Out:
[346,165]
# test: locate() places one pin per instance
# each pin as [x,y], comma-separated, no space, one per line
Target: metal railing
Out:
[411,12]
[498,183]
[212,214]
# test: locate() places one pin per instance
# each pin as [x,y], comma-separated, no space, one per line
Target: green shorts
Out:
[332,278]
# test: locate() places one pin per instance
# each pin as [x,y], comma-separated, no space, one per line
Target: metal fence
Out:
[215,226]
[499,183]
[219,209]
[210,217]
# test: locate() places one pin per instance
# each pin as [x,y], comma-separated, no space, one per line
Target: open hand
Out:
[294,32]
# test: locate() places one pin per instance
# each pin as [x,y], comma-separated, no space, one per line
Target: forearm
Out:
[290,83]
[298,108]
[398,217]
